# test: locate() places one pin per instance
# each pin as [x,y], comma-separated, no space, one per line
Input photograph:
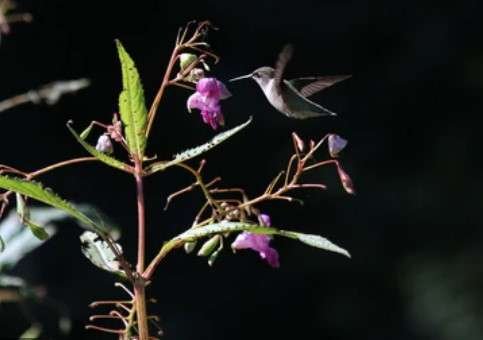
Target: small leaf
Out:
[196,151]
[132,106]
[99,253]
[99,155]
[24,215]
[36,191]
[2,244]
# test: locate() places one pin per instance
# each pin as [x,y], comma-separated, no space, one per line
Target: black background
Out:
[411,115]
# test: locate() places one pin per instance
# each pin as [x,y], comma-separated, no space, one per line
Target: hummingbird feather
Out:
[308,86]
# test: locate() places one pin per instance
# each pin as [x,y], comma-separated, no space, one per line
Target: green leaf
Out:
[20,241]
[99,252]
[33,332]
[2,244]
[132,106]
[196,151]
[226,227]
[99,155]
[24,215]
[45,195]
[315,241]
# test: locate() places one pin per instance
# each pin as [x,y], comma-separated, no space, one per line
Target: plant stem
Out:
[142,318]
[138,174]
[139,284]
[159,95]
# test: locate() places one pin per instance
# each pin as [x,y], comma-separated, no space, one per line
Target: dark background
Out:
[411,113]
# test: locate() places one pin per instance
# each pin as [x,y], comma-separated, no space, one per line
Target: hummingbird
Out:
[290,97]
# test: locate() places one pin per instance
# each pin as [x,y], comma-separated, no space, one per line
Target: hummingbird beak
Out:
[241,77]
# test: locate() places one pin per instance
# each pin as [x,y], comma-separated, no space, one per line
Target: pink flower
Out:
[209,92]
[259,243]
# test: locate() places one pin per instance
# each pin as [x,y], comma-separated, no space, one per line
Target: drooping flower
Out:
[346,180]
[259,243]
[209,92]
[336,144]
[104,144]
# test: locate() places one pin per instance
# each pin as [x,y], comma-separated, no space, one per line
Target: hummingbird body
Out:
[290,96]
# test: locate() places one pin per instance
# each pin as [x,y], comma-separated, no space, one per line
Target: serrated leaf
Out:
[99,252]
[226,227]
[24,215]
[36,191]
[315,241]
[196,151]
[132,106]
[99,155]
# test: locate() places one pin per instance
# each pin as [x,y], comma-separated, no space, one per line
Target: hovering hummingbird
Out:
[290,97]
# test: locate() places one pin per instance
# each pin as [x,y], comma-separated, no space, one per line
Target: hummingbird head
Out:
[261,75]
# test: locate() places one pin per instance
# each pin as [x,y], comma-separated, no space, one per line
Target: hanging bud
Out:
[264,220]
[196,74]
[104,144]
[299,143]
[336,144]
[186,59]
[209,246]
[346,180]
[189,247]
[214,255]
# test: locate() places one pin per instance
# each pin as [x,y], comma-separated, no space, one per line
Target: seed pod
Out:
[209,246]
[189,247]
[186,59]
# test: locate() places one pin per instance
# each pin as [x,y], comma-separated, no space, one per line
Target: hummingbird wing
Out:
[299,106]
[308,86]
[283,59]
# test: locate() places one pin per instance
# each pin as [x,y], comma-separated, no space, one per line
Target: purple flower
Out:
[336,144]
[259,243]
[209,92]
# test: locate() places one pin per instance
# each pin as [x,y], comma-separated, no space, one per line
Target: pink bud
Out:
[346,180]
[298,142]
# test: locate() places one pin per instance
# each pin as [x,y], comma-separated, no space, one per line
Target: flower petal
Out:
[195,101]
[259,243]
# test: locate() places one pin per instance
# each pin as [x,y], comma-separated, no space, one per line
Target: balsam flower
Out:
[259,243]
[209,92]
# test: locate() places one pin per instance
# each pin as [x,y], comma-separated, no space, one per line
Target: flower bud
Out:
[264,220]
[104,144]
[196,74]
[336,144]
[186,59]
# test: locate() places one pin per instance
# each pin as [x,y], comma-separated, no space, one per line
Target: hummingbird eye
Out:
[256,75]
